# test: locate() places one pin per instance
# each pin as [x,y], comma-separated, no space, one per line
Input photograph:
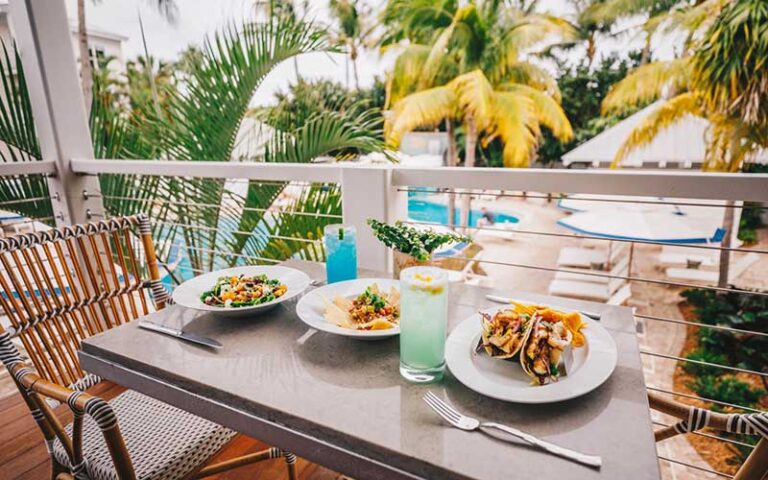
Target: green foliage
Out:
[727,389]
[751,215]
[583,90]
[17,131]
[308,98]
[750,221]
[719,347]
[704,355]
[743,311]
[731,70]
[417,243]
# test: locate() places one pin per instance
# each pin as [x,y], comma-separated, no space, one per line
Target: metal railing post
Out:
[41,30]
[368,192]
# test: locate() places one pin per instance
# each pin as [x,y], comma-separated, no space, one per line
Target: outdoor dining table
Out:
[342,403]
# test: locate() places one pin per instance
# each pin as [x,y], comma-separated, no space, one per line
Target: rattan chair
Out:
[61,286]
[755,467]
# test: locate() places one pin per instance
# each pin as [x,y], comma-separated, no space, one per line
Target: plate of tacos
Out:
[529,353]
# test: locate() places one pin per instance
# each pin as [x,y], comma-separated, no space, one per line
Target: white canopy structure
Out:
[682,145]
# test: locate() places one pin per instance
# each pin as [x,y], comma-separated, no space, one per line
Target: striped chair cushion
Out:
[164,442]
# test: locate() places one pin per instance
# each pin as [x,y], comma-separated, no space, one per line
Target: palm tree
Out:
[167,9]
[721,78]
[350,31]
[473,71]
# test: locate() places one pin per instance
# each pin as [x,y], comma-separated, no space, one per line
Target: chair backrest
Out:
[691,419]
[61,286]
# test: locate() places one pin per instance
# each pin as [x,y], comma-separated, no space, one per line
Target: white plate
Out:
[188,293]
[505,380]
[311,307]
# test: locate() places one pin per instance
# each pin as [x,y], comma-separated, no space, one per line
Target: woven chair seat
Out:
[164,442]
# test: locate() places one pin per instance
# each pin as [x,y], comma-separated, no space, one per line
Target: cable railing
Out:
[694,467]
[593,237]
[384,193]
[550,197]
[242,208]
[670,360]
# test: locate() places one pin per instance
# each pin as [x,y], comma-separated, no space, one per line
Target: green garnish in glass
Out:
[341,233]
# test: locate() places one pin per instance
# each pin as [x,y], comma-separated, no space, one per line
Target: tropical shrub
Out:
[737,310]
[721,347]
[307,98]
[727,389]
[704,355]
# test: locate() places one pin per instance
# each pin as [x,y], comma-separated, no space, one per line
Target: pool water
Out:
[425,211]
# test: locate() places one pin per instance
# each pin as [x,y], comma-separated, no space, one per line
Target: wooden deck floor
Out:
[23,454]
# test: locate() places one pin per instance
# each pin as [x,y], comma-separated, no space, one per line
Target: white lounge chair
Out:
[674,256]
[621,297]
[587,257]
[619,269]
[585,290]
[468,271]
[711,276]
[500,230]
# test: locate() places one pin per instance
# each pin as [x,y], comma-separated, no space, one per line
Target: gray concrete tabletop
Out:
[342,403]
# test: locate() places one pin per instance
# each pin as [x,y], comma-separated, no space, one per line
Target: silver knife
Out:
[180,334]
[498,299]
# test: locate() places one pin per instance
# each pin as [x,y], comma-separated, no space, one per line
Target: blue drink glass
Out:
[340,253]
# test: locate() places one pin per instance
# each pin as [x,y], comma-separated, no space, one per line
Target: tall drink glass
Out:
[340,253]
[423,323]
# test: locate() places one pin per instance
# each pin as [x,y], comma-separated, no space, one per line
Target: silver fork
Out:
[463,422]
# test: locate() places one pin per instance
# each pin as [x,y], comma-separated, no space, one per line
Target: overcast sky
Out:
[198,18]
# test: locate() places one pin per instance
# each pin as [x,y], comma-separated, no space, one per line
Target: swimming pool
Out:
[425,211]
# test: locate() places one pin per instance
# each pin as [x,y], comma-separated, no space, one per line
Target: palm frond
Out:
[205,118]
[19,143]
[535,28]
[338,133]
[424,109]
[671,112]
[731,63]
[691,18]
[437,56]
[607,12]
[476,96]
[202,121]
[548,111]
[515,123]
[327,133]
[527,73]
[647,83]
[298,231]
[406,72]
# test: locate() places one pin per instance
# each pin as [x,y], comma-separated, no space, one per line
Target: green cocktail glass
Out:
[423,323]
